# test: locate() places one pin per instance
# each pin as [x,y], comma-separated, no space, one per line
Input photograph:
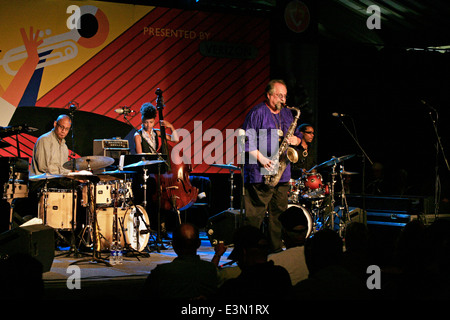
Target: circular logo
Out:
[296,16]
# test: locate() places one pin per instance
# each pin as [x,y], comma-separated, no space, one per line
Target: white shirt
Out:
[49,155]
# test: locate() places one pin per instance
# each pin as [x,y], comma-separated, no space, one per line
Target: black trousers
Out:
[259,199]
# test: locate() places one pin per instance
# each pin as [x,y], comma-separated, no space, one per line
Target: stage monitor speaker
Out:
[357,215]
[36,240]
[222,226]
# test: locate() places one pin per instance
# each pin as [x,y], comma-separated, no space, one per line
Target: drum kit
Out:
[107,196]
[316,199]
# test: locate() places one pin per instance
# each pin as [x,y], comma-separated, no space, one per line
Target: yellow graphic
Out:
[44,25]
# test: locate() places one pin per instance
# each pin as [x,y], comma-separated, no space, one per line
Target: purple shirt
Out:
[261,127]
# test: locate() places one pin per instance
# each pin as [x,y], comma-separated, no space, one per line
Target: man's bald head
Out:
[186,239]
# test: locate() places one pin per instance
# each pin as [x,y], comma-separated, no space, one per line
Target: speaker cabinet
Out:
[222,226]
[36,240]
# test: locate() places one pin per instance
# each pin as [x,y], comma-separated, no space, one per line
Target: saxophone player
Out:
[266,124]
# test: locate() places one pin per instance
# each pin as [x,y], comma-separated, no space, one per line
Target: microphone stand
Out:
[439,147]
[365,156]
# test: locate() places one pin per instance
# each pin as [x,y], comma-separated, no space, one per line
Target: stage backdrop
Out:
[99,57]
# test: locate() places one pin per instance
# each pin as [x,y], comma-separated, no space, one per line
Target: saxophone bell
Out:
[292,155]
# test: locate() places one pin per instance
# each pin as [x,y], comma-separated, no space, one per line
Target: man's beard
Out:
[279,106]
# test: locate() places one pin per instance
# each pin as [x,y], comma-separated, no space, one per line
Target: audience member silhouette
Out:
[420,263]
[356,257]
[187,276]
[328,278]
[260,279]
[294,231]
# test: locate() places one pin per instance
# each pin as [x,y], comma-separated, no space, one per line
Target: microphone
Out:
[339,115]
[124,110]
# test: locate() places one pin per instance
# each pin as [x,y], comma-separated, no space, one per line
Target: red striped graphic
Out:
[217,91]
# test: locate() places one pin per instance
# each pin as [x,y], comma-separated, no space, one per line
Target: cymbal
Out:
[348,172]
[118,172]
[226,166]
[89,163]
[45,176]
[143,163]
[334,161]
[82,176]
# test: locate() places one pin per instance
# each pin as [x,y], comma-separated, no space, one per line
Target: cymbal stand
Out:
[345,215]
[330,220]
[96,257]
[231,189]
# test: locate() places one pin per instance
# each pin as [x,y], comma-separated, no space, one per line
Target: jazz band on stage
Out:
[117,198]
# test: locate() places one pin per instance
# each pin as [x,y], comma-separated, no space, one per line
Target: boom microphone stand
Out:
[365,156]
[440,148]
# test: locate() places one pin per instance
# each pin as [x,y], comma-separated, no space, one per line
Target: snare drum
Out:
[55,208]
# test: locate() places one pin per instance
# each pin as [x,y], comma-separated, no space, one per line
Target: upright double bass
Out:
[176,190]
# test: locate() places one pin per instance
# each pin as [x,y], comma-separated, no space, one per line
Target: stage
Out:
[100,281]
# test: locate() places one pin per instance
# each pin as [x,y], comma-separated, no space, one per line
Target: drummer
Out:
[50,151]
[306,154]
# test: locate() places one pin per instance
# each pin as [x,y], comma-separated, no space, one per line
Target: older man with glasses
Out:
[50,151]
[266,124]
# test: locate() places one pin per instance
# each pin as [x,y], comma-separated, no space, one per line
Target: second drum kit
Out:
[106,196]
[316,199]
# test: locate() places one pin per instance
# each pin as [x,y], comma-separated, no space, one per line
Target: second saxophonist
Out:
[265,126]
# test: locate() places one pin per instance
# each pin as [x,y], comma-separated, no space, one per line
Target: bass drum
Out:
[305,212]
[137,227]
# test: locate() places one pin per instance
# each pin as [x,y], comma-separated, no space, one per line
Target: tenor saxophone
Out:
[285,153]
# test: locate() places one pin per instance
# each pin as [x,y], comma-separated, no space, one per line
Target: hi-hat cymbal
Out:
[226,166]
[89,163]
[45,176]
[143,163]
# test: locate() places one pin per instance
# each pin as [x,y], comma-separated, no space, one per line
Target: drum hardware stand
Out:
[96,258]
[138,216]
[144,204]
[333,213]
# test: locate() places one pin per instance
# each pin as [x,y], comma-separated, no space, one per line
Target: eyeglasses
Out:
[309,132]
[281,96]
[63,128]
